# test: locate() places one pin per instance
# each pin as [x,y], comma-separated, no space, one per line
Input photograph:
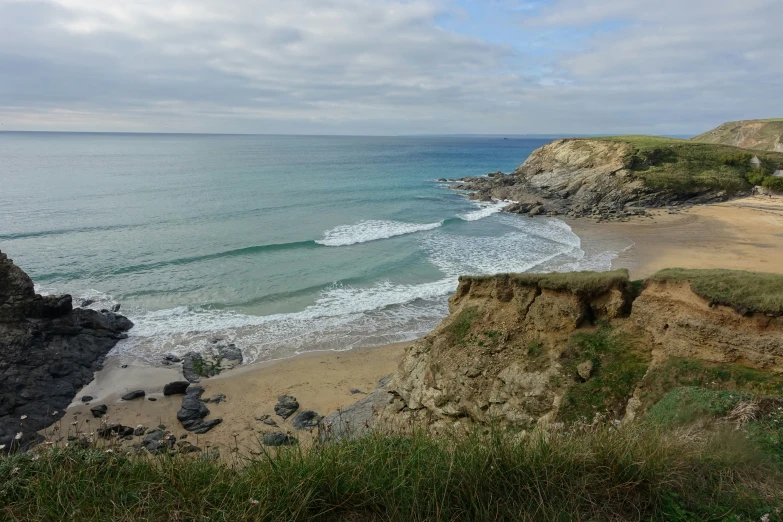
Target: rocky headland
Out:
[748,134]
[618,177]
[48,351]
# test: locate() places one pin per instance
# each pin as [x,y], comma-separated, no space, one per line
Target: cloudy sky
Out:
[389,66]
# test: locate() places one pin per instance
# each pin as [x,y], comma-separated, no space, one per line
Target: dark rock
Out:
[124,366]
[278,439]
[48,352]
[286,406]
[176,388]
[161,427]
[87,302]
[270,422]
[158,441]
[139,431]
[184,446]
[99,411]
[216,399]
[87,398]
[306,420]
[217,358]
[442,180]
[356,391]
[262,417]
[136,394]
[357,419]
[115,429]
[172,358]
[153,399]
[193,411]
[115,308]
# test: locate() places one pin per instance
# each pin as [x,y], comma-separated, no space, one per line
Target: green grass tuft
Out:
[685,405]
[580,283]
[746,292]
[597,474]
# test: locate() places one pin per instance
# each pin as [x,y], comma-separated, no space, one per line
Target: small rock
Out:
[193,411]
[176,388]
[305,420]
[585,370]
[270,422]
[184,446]
[172,358]
[137,394]
[216,399]
[87,302]
[99,411]
[153,399]
[118,429]
[124,366]
[183,436]
[87,398]
[286,406]
[115,308]
[139,431]
[262,417]
[278,439]
[161,427]
[356,391]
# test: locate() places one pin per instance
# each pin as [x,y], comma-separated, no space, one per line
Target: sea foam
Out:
[371,230]
[485,209]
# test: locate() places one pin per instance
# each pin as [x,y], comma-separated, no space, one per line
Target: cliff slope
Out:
[748,134]
[620,176]
[527,350]
[48,350]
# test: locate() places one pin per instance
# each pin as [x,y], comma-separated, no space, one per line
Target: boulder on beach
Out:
[136,394]
[286,406]
[193,411]
[278,439]
[99,411]
[176,388]
[306,420]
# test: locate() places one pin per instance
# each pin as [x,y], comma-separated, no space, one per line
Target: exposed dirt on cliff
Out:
[748,134]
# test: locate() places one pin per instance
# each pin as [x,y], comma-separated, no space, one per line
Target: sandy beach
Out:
[742,234]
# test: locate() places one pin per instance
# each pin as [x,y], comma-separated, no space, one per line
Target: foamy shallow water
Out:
[279,244]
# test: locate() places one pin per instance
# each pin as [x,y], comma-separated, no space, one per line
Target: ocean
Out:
[280,244]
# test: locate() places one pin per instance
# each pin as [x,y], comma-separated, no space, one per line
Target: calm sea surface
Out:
[281,244]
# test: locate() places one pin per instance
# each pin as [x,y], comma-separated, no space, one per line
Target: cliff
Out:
[525,350]
[747,134]
[48,351]
[615,177]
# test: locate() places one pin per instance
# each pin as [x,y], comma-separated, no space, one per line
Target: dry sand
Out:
[742,234]
[321,381]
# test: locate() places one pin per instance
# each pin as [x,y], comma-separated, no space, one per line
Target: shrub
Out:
[773,183]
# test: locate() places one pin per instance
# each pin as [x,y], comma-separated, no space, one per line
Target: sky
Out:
[387,67]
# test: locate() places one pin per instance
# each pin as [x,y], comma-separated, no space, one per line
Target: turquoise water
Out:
[282,244]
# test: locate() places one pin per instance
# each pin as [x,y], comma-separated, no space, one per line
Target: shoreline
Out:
[744,234]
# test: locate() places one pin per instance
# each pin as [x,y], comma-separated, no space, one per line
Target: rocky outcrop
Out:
[48,351]
[584,177]
[192,412]
[747,134]
[219,357]
[516,348]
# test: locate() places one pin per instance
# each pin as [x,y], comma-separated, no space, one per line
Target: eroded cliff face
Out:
[48,350]
[499,356]
[518,353]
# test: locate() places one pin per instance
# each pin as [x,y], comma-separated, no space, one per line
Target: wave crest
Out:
[371,230]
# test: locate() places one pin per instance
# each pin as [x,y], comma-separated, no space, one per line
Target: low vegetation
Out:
[593,473]
[616,370]
[746,292]
[686,166]
[579,283]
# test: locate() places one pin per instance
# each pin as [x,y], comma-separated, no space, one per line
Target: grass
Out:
[746,292]
[684,405]
[461,324]
[580,283]
[687,167]
[617,369]
[598,473]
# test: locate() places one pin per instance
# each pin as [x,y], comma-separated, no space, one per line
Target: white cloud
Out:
[384,66]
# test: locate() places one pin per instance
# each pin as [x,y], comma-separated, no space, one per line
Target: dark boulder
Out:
[286,406]
[193,411]
[306,420]
[215,359]
[158,441]
[115,429]
[176,388]
[99,411]
[278,439]
[48,351]
[87,398]
[136,394]
[216,399]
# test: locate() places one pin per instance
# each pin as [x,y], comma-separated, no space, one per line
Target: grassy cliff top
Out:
[746,292]
[687,166]
[748,134]
[581,283]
